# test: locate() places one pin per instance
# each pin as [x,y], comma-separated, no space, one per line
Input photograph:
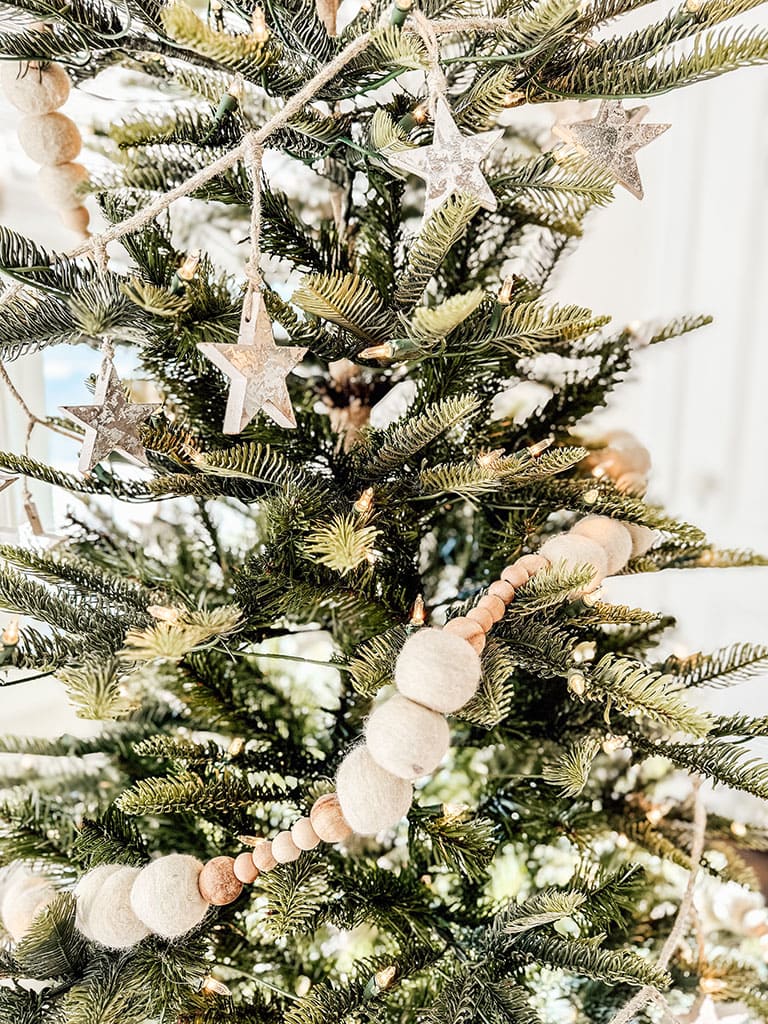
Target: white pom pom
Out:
[24,897]
[642,538]
[111,920]
[87,890]
[371,798]
[166,897]
[575,552]
[407,739]
[611,535]
[437,669]
[50,138]
[60,186]
[34,89]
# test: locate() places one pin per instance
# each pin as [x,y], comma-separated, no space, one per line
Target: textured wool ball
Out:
[611,535]
[493,605]
[111,920]
[642,538]
[24,898]
[76,219]
[516,575]
[86,892]
[438,669]
[284,850]
[50,138]
[406,738]
[244,869]
[166,897]
[218,883]
[61,186]
[304,834]
[328,821]
[533,563]
[262,856]
[35,89]
[575,551]
[502,589]
[468,630]
[371,798]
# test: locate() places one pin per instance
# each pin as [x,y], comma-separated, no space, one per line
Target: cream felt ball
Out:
[407,739]
[111,920]
[284,849]
[438,669]
[166,896]
[34,88]
[50,138]
[611,535]
[60,186]
[371,798]
[87,891]
[24,898]
[575,551]
[642,538]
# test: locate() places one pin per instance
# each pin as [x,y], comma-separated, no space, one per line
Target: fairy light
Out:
[418,612]
[738,829]
[259,28]
[513,98]
[188,268]
[590,497]
[712,986]
[10,635]
[164,613]
[420,114]
[302,986]
[584,651]
[385,977]
[364,503]
[505,292]
[384,351]
[577,682]
[488,459]
[400,11]
[217,13]
[655,814]
[236,747]
[213,987]
[534,450]
[613,743]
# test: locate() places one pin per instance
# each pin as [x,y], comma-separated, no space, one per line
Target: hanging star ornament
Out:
[257,369]
[612,138]
[112,424]
[451,164]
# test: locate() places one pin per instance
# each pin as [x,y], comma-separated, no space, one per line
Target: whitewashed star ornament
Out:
[112,424]
[451,164]
[257,369]
[611,138]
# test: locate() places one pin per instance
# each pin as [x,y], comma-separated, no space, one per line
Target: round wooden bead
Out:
[468,630]
[328,821]
[493,605]
[35,89]
[60,186]
[632,484]
[244,869]
[166,895]
[533,563]
[503,590]
[611,535]
[371,799]
[77,219]
[575,551]
[284,850]
[406,738]
[482,617]
[304,834]
[438,669]
[111,920]
[86,892]
[218,883]
[634,455]
[642,538]
[24,898]
[50,138]
[516,575]
[262,856]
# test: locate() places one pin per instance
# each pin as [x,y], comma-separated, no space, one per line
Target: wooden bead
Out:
[76,219]
[482,616]
[328,821]
[516,575]
[493,605]
[50,138]
[261,856]
[533,563]
[502,589]
[35,89]
[304,835]
[244,868]
[468,630]
[61,186]
[218,883]
[634,485]
[284,850]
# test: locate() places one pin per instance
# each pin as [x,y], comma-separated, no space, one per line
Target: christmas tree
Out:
[372,743]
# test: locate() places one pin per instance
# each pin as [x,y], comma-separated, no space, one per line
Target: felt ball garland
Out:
[38,89]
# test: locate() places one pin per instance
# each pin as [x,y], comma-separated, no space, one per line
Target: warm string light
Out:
[236,746]
[217,14]
[577,682]
[164,613]
[188,268]
[259,27]
[10,635]
[418,612]
[488,459]
[537,449]
[213,987]
[364,503]
[384,351]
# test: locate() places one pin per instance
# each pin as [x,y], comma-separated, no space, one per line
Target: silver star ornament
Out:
[451,164]
[612,138]
[112,424]
[257,369]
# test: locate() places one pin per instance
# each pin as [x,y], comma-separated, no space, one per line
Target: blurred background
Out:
[697,243]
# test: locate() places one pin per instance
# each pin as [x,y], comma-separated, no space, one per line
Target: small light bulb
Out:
[505,292]
[613,743]
[534,450]
[577,682]
[383,351]
[420,114]
[236,747]
[711,985]
[164,613]
[655,815]
[365,502]
[738,829]
[259,28]
[302,986]
[10,634]
[490,458]
[385,977]
[513,98]
[212,986]
[584,651]
[236,88]
[188,268]
[418,612]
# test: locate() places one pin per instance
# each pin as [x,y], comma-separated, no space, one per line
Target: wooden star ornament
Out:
[451,164]
[112,424]
[257,369]
[612,138]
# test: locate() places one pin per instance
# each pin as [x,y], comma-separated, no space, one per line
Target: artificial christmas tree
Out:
[370,597]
